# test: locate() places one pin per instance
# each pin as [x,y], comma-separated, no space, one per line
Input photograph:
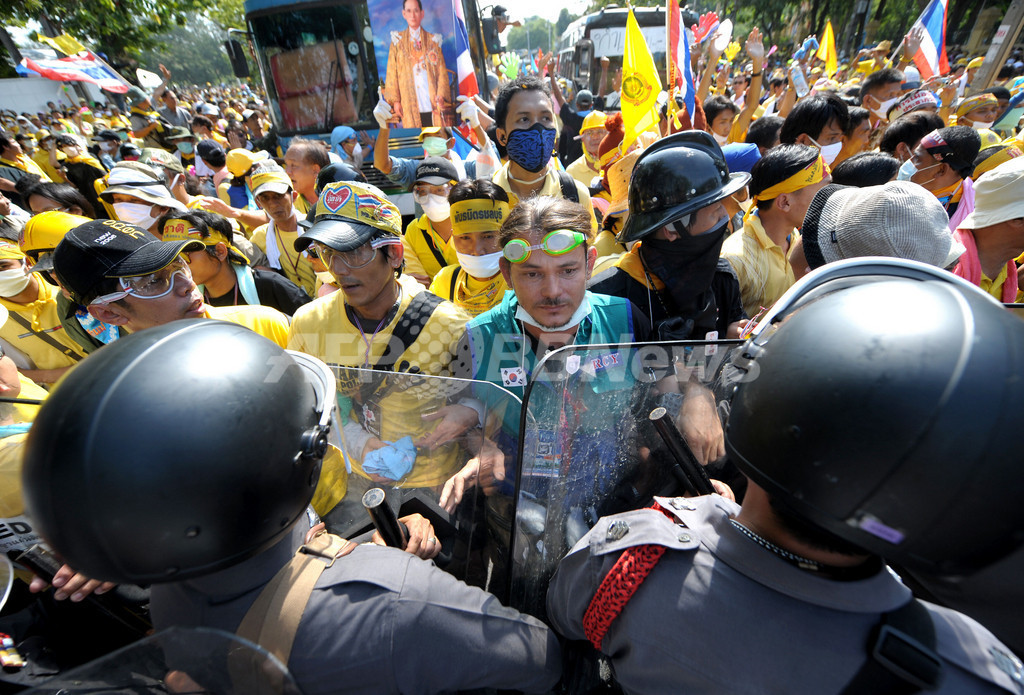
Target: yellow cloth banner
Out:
[827,50]
[65,43]
[640,85]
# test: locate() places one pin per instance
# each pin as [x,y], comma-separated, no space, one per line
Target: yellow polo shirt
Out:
[323,329]
[43,318]
[761,265]
[422,246]
[550,188]
[265,320]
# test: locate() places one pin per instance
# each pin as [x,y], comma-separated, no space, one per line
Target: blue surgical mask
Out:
[185,147]
[531,148]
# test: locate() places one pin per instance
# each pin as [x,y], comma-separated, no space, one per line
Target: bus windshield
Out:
[318,64]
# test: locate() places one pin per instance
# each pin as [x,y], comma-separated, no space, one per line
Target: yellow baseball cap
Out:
[350,213]
[240,161]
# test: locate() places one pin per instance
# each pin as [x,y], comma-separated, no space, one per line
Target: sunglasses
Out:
[556,243]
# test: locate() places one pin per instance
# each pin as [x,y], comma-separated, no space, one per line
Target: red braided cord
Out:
[619,585]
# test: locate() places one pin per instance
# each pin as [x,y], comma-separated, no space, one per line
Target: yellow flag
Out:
[65,43]
[827,50]
[640,85]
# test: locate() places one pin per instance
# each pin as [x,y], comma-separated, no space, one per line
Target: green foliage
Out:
[119,28]
[194,54]
[565,18]
[228,14]
[535,33]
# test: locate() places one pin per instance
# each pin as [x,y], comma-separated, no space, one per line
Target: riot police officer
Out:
[164,459]
[676,214]
[866,433]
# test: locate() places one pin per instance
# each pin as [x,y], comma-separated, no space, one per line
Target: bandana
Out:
[1003,153]
[920,99]
[976,102]
[811,174]
[478,215]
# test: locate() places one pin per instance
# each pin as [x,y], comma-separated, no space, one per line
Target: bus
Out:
[603,34]
[321,64]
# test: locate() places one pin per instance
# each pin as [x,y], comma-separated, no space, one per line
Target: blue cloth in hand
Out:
[393,461]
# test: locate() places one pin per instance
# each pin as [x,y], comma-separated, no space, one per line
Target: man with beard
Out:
[675,208]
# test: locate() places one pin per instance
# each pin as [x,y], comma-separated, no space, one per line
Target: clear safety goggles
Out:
[353,260]
[150,286]
[556,243]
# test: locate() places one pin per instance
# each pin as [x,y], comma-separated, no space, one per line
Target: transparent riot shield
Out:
[180,660]
[16,416]
[589,446]
[439,447]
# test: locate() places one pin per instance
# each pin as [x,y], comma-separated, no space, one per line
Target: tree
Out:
[565,18]
[535,33]
[228,14]
[193,54]
[118,28]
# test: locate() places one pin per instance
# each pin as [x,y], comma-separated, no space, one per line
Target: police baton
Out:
[687,470]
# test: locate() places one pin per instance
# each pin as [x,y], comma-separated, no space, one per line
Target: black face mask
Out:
[686,266]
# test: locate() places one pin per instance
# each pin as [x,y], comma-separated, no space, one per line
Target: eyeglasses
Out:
[556,243]
[151,286]
[353,260]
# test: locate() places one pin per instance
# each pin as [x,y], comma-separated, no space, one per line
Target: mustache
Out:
[554,303]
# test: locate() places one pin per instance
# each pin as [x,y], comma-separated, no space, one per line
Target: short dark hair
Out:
[64,194]
[777,165]
[909,130]
[310,151]
[811,115]
[965,143]
[64,140]
[866,169]
[880,79]
[202,122]
[764,132]
[420,4]
[1001,93]
[5,141]
[477,189]
[777,81]
[858,115]
[716,105]
[523,83]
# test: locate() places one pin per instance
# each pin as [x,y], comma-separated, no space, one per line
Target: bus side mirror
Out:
[491,39]
[236,55]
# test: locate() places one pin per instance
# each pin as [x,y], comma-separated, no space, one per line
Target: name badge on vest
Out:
[513,376]
[710,350]
[371,418]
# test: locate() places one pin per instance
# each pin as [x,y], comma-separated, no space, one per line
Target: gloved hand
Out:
[707,24]
[510,65]
[382,111]
[468,111]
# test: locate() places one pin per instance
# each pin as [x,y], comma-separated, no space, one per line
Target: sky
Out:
[521,9]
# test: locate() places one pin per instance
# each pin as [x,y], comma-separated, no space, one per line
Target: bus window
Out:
[320,70]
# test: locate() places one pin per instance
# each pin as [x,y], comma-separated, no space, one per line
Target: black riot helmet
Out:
[675,176]
[882,404]
[177,451]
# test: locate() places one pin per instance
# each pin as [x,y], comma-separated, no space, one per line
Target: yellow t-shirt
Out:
[471,294]
[995,287]
[28,165]
[295,265]
[423,245]
[551,188]
[43,318]
[323,329]
[265,320]
[581,171]
[761,265]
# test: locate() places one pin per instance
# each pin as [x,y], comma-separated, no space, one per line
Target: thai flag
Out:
[463,60]
[679,50]
[930,58]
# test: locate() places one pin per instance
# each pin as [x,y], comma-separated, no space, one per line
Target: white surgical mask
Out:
[582,311]
[883,108]
[982,125]
[435,147]
[134,213]
[720,139]
[357,156]
[480,267]
[69,151]
[108,146]
[829,152]
[437,207]
[13,281]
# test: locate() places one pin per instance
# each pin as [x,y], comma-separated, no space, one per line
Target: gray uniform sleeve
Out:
[449,635]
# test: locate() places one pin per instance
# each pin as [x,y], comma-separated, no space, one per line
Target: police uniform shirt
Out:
[721,614]
[378,621]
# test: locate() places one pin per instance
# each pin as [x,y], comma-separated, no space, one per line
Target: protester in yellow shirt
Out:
[11,155]
[377,322]
[592,132]
[33,332]
[475,283]
[428,239]
[272,189]
[782,185]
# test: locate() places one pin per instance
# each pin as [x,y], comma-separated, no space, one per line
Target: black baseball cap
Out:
[436,171]
[102,249]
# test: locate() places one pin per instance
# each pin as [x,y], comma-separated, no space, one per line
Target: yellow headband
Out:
[811,174]
[478,215]
[180,230]
[1005,154]
[976,102]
